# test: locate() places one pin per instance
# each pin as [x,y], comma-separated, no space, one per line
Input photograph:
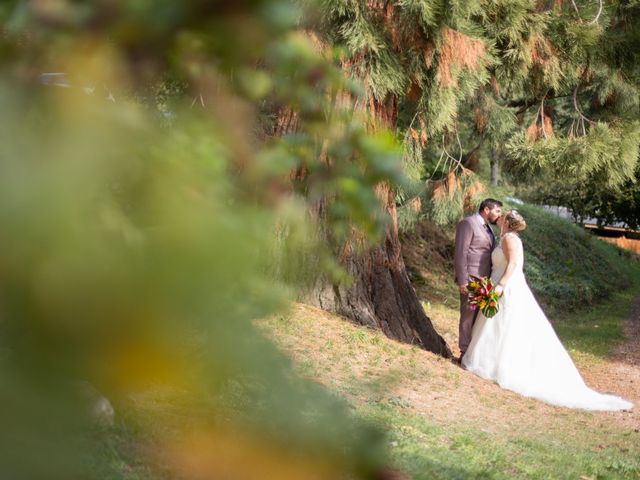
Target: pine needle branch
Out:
[595,20]
[454,160]
[576,9]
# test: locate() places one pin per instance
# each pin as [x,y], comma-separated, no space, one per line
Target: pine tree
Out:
[543,87]
[583,117]
[561,99]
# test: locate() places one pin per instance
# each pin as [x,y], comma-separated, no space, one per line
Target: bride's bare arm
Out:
[511,249]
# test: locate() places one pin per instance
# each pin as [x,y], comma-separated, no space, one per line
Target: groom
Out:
[474,244]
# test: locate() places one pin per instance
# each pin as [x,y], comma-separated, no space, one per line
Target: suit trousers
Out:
[467,319]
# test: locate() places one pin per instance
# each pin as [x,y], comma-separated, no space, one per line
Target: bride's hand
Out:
[499,289]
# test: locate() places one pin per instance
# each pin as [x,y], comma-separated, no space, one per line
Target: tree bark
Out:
[381,295]
[494,162]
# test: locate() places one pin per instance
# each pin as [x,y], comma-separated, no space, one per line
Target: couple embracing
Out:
[518,347]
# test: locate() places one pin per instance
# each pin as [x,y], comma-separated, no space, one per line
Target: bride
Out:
[518,347]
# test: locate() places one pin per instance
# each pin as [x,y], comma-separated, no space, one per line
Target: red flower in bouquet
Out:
[482,295]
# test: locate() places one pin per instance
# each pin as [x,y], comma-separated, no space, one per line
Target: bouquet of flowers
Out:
[482,295]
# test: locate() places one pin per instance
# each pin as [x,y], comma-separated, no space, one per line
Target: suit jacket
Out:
[474,245]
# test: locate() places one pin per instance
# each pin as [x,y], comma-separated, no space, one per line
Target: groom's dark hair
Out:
[489,203]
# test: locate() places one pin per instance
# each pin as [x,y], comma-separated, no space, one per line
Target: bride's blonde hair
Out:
[515,221]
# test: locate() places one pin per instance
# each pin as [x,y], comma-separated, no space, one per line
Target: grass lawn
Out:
[443,422]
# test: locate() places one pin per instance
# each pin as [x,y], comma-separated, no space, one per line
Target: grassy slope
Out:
[568,269]
[443,422]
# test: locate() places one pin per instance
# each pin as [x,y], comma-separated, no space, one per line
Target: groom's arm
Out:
[464,234]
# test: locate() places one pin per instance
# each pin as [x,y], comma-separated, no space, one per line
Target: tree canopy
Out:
[549,87]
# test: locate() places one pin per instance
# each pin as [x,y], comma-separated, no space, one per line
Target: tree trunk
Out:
[381,295]
[495,162]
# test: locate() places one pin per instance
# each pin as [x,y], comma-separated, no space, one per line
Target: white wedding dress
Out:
[519,349]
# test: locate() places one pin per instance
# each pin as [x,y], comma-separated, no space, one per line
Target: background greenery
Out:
[149,218]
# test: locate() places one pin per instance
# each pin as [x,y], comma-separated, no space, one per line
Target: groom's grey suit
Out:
[474,244]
